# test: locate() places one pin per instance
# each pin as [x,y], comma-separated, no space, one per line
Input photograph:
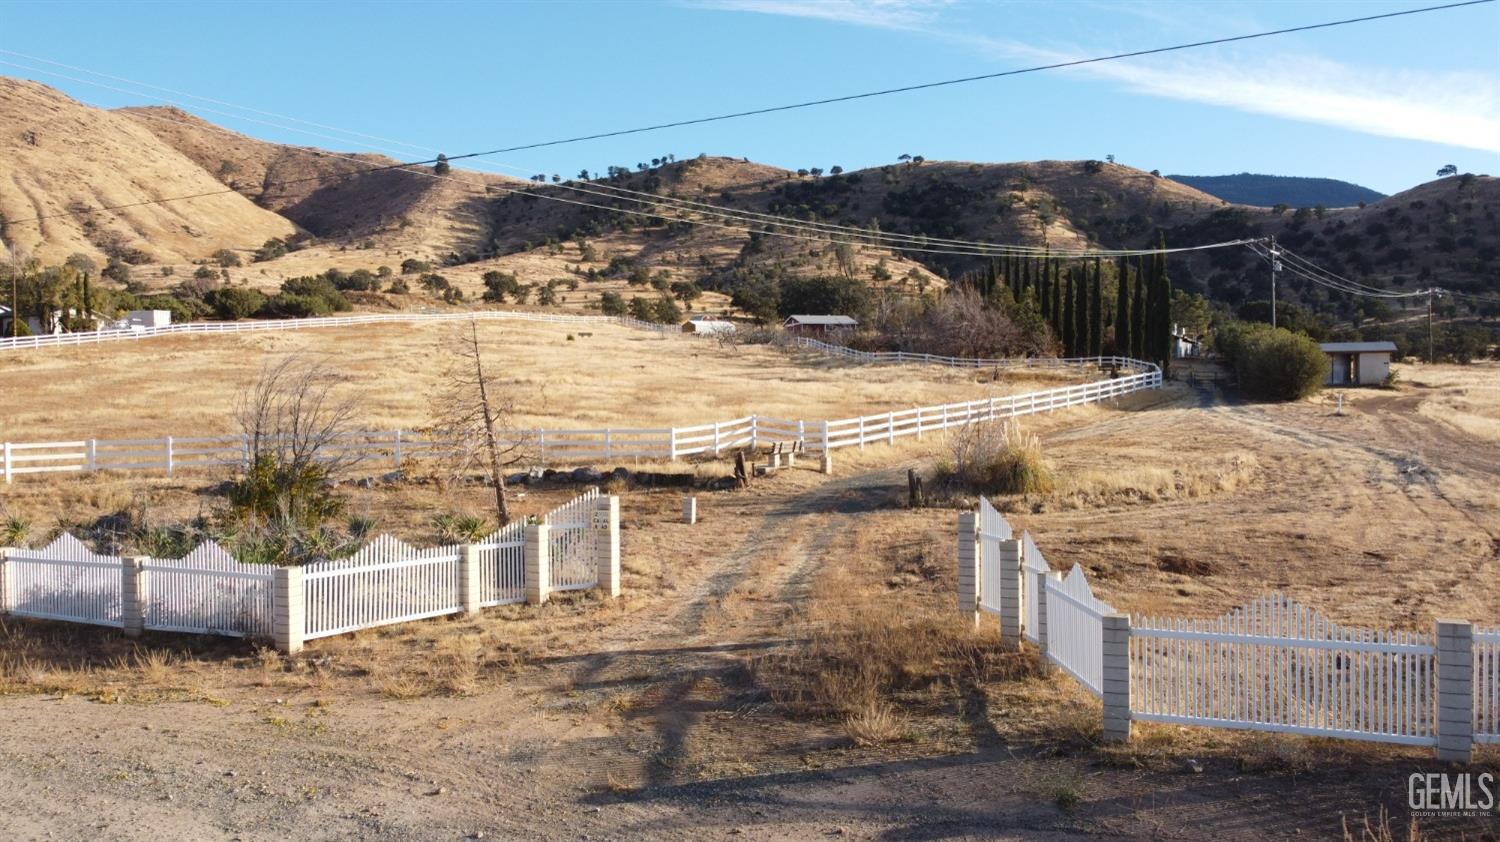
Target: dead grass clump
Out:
[995,458]
[406,686]
[875,724]
[1381,830]
[1276,753]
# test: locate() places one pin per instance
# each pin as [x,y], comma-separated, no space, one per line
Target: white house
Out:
[143,319]
[1185,346]
[1358,363]
[707,324]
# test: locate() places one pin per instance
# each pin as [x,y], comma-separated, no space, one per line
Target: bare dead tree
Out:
[295,413]
[474,412]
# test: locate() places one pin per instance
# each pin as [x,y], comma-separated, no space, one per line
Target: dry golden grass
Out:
[1466,397]
[604,376]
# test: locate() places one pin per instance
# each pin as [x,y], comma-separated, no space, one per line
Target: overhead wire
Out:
[867,94]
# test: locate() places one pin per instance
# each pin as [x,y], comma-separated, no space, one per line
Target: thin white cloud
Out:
[882,14]
[1456,109]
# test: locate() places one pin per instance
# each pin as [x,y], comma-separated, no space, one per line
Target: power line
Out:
[819,102]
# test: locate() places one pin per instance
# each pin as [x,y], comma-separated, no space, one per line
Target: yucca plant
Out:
[15,531]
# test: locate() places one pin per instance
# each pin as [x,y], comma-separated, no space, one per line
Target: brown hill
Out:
[60,152]
[58,155]
[325,193]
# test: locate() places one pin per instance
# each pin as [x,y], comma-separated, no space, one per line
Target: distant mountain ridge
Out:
[1267,191]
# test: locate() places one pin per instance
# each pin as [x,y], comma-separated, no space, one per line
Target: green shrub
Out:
[1273,364]
[226,258]
[232,303]
[612,304]
[292,306]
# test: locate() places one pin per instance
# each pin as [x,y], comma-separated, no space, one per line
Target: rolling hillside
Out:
[61,154]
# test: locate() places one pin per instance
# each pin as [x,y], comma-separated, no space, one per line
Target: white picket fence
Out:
[173,453]
[63,581]
[1271,665]
[388,581]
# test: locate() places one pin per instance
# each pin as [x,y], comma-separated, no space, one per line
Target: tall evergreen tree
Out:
[1096,311]
[1122,311]
[1069,323]
[1081,310]
[1163,307]
[1138,314]
[1043,294]
[1057,298]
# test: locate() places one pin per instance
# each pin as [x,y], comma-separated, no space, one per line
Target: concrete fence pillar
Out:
[133,595]
[470,578]
[7,599]
[690,510]
[1038,592]
[1455,691]
[288,610]
[1010,593]
[1116,678]
[606,527]
[538,556]
[968,567]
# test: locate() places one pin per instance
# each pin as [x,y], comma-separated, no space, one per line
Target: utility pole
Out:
[1275,267]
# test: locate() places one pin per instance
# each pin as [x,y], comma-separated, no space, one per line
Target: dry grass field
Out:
[579,377]
[792,666]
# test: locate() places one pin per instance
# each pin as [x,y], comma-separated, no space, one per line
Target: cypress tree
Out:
[1096,311]
[1081,310]
[1163,307]
[1138,315]
[1057,297]
[1069,325]
[1122,311]
[1043,294]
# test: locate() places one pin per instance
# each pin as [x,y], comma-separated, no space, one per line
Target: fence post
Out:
[91,456]
[7,463]
[169,455]
[890,428]
[606,525]
[1116,677]
[608,444]
[538,559]
[398,450]
[5,596]
[716,438]
[919,423]
[1010,593]
[754,433]
[133,595]
[1039,594]
[689,510]
[672,444]
[968,567]
[289,610]
[1455,691]
[827,453]
[469,580]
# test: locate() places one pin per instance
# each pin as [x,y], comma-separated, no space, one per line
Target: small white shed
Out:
[149,318]
[707,324]
[1358,363]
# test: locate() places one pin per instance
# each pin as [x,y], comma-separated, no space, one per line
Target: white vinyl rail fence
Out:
[394,447]
[208,592]
[262,325]
[1271,665]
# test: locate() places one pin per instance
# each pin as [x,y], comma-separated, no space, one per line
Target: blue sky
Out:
[1382,104]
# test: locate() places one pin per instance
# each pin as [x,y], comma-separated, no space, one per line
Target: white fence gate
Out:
[1487,685]
[386,582]
[502,560]
[572,551]
[993,528]
[1276,665]
[1075,629]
